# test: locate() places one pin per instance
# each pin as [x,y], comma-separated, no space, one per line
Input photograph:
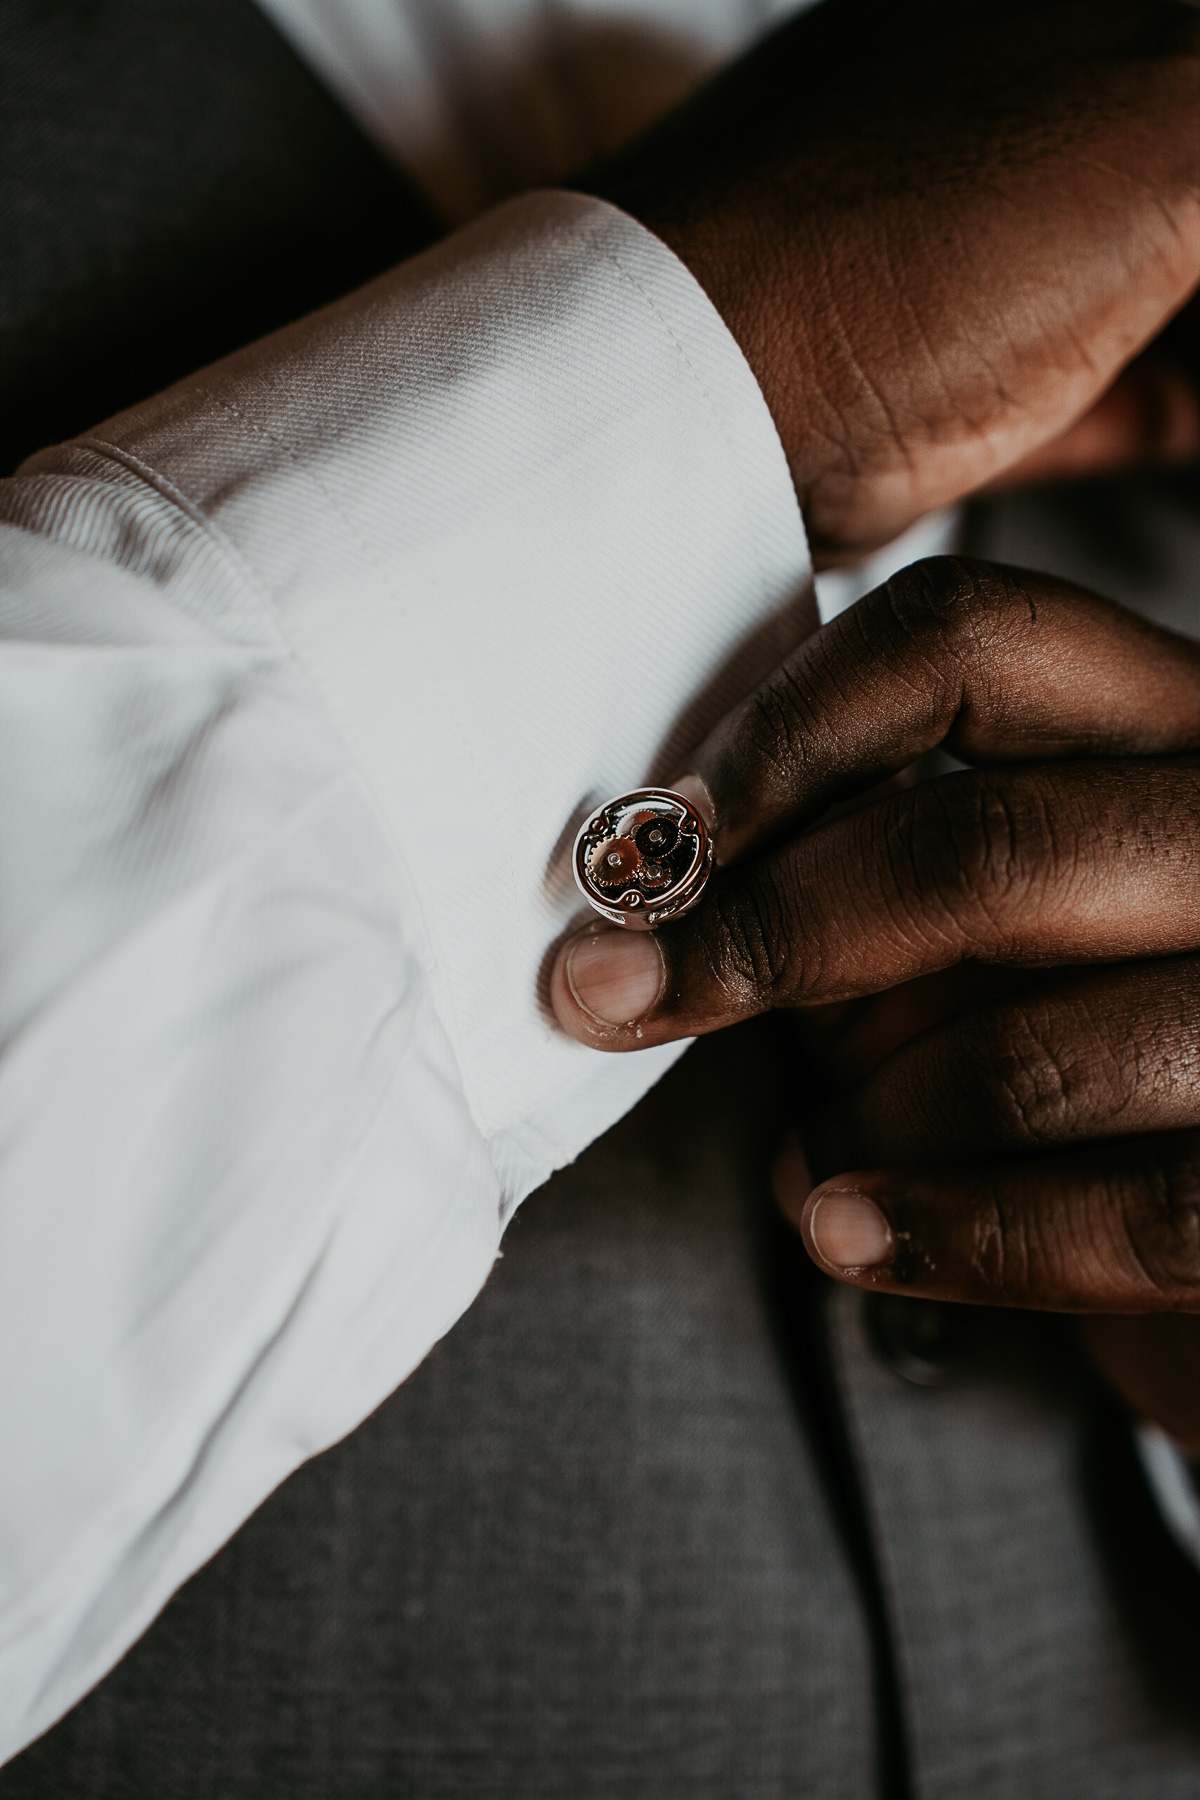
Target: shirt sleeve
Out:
[309,667]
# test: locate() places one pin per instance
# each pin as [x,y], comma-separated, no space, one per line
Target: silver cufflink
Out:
[643,858]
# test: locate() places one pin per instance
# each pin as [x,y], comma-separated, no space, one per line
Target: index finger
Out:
[995,663]
[1051,864]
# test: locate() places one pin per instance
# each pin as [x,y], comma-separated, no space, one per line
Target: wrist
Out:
[754,288]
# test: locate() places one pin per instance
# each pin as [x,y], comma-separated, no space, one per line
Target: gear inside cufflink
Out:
[643,858]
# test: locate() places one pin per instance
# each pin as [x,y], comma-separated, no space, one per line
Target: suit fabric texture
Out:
[660,1516]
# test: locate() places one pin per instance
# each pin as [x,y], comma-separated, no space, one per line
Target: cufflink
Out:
[643,858]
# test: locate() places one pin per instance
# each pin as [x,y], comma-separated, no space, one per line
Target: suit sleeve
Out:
[308,666]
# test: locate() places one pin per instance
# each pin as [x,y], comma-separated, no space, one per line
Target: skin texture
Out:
[956,246]
[1001,965]
[939,238]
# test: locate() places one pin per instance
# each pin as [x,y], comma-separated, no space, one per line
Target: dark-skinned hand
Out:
[939,233]
[1037,1143]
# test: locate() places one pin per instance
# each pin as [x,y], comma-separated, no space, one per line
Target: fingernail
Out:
[791,1180]
[849,1231]
[695,790]
[615,978]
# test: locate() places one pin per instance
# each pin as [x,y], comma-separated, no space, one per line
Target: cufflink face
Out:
[643,858]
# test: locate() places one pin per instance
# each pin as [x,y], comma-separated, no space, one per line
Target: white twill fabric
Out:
[308,667]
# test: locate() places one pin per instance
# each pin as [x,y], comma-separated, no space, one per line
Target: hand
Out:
[1149,418]
[1038,1146]
[938,248]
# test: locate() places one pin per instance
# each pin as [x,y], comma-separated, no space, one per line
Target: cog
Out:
[614,862]
[656,837]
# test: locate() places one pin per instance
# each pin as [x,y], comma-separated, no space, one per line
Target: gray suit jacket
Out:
[669,1516]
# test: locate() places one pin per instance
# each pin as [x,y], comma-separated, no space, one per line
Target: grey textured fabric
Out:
[173,183]
[992,1498]
[594,1547]
[1134,538]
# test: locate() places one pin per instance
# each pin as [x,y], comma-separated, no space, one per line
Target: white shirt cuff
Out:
[314,661]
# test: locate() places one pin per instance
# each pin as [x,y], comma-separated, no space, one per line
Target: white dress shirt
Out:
[308,668]
[479,99]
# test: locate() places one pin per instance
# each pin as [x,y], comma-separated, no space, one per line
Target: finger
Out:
[1149,418]
[1114,1229]
[1066,862]
[1154,1361]
[1105,1054]
[852,1037]
[998,664]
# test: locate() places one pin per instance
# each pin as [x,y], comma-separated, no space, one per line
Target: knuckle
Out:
[1160,1213]
[981,844]
[1015,1250]
[958,603]
[961,620]
[750,947]
[999,1254]
[936,592]
[1034,1085]
[777,727]
[898,851]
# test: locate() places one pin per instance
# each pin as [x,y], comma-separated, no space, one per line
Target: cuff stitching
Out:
[714,408]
